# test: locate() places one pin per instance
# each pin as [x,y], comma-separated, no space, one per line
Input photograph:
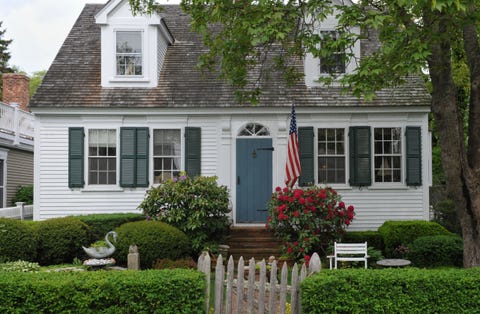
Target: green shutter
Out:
[306,154]
[75,157]
[360,156]
[193,150]
[134,157]
[414,155]
[141,176]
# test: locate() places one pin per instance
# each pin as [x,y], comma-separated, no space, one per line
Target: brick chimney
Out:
[16,89]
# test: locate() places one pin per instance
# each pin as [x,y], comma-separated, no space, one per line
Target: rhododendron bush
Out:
[308,220]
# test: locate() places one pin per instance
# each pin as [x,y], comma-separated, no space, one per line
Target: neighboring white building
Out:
[122,107]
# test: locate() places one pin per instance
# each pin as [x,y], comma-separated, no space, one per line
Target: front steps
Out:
[256,242]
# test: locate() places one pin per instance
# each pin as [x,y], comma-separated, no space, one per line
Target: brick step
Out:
[256,242]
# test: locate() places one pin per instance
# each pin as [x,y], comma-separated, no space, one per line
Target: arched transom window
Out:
[254,129]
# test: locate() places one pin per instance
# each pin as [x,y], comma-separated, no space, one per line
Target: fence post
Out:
[203,265]
[219,276]
[21,206]
[16,123]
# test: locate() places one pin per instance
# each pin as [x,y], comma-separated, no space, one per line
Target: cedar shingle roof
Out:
[73,79]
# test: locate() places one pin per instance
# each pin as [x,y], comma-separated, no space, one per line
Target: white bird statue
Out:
[103,251]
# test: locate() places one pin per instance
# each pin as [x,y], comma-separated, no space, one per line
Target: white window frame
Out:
[345,63]
[180,156]
[400,154]
[326,155]
[87,158]
[143,54]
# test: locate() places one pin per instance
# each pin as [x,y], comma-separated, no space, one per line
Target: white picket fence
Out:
[21,211]
[251,290]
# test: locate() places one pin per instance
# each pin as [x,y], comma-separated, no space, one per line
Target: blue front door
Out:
[254,178]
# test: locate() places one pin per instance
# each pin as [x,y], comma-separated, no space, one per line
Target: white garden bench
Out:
[351,252]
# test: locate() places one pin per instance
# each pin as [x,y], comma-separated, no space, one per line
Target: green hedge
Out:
[155,291]
[374,238]
[154,239]
[17,241]
[60,240]
[437,251]
[100,224]
[408,290]
[396,233]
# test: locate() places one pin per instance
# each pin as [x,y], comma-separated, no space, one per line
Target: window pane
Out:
[128,42]
[396,149]
[322,135]
[331,148]
[378,134]
[340,149]
[322,148]
[167,153]
[387,147]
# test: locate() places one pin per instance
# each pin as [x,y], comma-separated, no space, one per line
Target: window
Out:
[166,154]
[102,156]
[334,63]
[331,155]
[387,154]
[129,53]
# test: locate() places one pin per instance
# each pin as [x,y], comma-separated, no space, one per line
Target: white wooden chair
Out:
[351,252]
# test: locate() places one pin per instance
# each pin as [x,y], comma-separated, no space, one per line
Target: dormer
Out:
[316,67]
[132,47]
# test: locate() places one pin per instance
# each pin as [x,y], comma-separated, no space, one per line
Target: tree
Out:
[35,81]
[415,35]
[4,56]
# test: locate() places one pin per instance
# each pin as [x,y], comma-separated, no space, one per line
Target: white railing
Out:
[256,288]
[21,211]
[16,122]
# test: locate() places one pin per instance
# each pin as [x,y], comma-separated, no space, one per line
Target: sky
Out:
[38,29]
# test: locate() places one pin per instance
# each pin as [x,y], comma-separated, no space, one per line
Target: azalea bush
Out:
[197,206]
[307,220]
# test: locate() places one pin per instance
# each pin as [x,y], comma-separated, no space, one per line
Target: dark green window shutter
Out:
[141,178]
[133,157]
[306,152]
[193,150]
[414,155]
[75,157]
[360,156]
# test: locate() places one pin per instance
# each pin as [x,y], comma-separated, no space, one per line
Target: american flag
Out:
[292,168]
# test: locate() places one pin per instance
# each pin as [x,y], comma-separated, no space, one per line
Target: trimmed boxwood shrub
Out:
[100,224]
[436,251]
[408,290]
[17,241]
[154,291]
[403,233]
[154,239]
[373,238]
[60,240]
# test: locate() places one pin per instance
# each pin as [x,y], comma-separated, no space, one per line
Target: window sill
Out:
[102,188]
[379,186]
[119,79]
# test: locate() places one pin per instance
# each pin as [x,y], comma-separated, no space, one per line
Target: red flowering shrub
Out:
[307,220]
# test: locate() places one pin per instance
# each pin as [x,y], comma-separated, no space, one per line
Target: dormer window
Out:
[335,63]
[129,58]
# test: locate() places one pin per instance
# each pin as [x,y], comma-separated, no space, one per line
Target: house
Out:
[122,108]
[16,137]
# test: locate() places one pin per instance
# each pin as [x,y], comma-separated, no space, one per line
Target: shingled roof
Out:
[73,79]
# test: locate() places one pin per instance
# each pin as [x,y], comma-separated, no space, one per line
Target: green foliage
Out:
[437,251]
[17,241]
[4,56]
[156,291]
[20,266]
[373,238]
[446,215]
[307,220]
[406,290]
[24,194]
[402,233]
[35,81]
[60,240]
[199,207]
[100,224]
[154,239]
